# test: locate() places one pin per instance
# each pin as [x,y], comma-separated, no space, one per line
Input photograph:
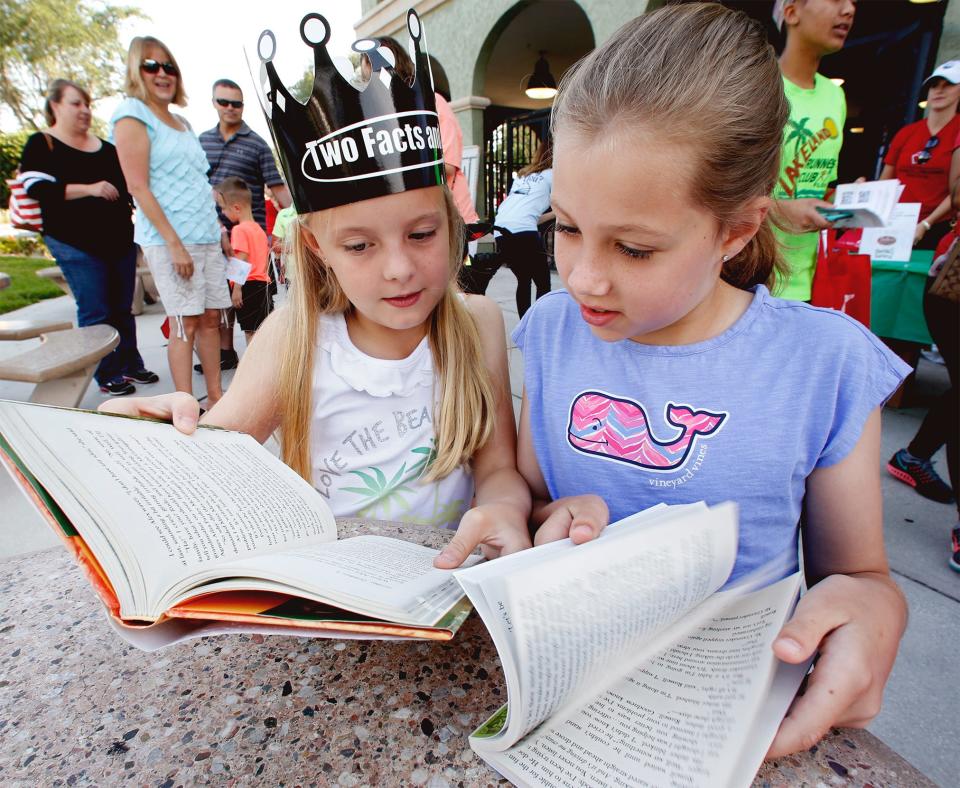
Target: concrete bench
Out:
[16,330]
[63,365]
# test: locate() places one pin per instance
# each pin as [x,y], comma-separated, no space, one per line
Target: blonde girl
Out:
[389,388]
[679,377]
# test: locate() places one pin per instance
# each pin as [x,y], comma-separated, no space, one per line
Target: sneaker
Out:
[118,387]
[228,360]
[955,549]
[143,376]
[920,475]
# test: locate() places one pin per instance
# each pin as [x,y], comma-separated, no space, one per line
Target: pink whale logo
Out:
[618,428]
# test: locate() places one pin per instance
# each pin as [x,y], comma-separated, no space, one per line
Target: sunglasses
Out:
[924,156]
[229,103]
[154,66]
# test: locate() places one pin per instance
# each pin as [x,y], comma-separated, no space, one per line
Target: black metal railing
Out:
[508,148]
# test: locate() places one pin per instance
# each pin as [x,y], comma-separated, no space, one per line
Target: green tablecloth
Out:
[896,298]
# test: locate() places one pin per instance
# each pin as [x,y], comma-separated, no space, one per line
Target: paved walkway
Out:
[919,718]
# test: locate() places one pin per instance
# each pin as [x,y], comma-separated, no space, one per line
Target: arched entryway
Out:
[514,122]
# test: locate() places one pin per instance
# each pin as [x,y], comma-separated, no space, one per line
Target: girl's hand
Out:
[104,190]
[236,295]
[497,528]
[581,517]
[178,407]
[182,261]
[856,622]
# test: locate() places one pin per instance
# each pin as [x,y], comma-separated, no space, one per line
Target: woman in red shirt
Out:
[920,154]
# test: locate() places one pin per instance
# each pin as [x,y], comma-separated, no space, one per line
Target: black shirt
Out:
[102,228]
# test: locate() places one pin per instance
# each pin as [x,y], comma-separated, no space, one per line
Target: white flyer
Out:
[237,270]
[893,241]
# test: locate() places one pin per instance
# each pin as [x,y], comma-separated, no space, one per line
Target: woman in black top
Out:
[76,178]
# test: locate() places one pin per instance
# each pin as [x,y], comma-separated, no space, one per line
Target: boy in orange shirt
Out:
[252,299]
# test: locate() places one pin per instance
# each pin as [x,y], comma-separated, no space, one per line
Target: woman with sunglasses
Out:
[76,178]
[177,226]
[920,154]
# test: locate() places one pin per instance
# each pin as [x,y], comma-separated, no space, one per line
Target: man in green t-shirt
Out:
[813,135]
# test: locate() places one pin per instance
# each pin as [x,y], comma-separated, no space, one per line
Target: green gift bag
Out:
[896,299]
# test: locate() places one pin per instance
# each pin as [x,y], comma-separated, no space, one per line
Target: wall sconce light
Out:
[838,81]
[541,85]
[856,130]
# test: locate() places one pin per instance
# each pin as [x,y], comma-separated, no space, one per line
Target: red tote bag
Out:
[842,277]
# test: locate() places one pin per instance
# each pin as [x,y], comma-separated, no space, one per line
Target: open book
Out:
[624,663]
[868,204]
[185,536]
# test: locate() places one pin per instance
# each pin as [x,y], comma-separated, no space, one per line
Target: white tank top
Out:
[372,436]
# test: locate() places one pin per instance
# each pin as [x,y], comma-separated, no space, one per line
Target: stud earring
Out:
[725,258]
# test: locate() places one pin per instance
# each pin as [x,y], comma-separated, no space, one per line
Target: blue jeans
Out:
[104,293]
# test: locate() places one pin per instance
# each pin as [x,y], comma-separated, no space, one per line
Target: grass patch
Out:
[26,287]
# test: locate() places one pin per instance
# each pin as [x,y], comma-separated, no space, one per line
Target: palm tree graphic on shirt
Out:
[385,497]
[799,134]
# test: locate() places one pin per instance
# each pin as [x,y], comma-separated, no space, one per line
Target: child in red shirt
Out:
[252,299]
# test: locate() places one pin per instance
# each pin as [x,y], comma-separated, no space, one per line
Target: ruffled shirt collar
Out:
[378,377]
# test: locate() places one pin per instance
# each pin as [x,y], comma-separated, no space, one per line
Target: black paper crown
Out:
[351,143]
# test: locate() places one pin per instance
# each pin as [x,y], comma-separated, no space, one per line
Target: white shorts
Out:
[206,289]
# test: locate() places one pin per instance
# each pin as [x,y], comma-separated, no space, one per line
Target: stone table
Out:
[78,706]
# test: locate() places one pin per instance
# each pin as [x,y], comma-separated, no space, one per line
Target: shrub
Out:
[24,246]
[11,146]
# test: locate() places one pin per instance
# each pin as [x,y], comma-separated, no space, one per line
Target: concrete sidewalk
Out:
[919,718]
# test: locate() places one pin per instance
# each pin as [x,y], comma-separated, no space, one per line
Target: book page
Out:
[167,503]
[680,718]
[569,621]
[373,575]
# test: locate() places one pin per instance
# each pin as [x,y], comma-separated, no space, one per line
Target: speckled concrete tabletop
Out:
[79,707]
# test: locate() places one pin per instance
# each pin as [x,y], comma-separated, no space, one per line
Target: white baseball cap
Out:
[949,71]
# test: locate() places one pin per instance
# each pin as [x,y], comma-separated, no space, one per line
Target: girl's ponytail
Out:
[760,262]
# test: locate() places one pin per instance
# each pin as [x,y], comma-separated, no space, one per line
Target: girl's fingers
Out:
[838,693]
[178,407]
[556,526]
[465,541]
[815,617]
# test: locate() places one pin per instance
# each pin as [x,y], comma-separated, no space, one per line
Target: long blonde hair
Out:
[465,408]
[705,77]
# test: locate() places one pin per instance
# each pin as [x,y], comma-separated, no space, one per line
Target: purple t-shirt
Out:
[745,416]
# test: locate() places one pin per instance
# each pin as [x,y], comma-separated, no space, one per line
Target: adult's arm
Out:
[282,193]
[45,184]
[133,150]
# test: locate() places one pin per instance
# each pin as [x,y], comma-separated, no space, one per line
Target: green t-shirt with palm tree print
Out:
[808,165]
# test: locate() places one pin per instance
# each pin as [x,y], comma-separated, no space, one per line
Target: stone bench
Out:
[55,275]
[62,365]
[16,330]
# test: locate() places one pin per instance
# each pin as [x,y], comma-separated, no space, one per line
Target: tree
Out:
[41,40]
[303,87]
